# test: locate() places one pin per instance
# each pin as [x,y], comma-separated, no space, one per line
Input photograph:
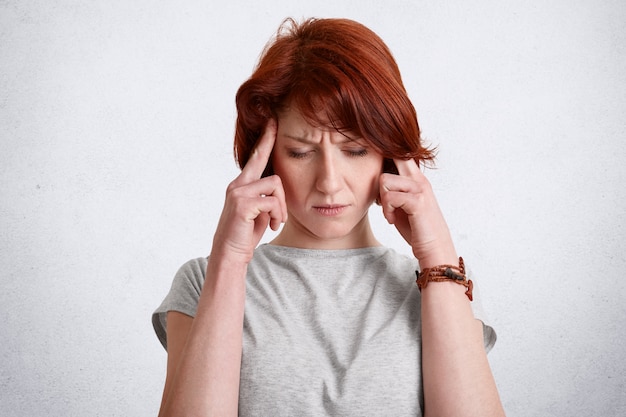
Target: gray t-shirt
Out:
[326,332]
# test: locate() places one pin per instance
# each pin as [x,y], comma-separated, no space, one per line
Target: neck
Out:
[296,236]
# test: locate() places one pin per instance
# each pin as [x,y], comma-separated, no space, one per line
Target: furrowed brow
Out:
[301,139]
[309,141]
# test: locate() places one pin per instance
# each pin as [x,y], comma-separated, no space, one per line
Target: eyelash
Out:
[298,155]
[357,153]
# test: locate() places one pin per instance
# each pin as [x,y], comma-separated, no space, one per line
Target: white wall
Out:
[116,121]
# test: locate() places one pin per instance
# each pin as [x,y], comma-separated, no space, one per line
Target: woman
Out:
[324,320]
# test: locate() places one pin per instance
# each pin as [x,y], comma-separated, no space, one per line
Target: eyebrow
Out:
[300,139]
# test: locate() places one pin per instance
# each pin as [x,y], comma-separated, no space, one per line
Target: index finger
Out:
[261,154]
[407,167]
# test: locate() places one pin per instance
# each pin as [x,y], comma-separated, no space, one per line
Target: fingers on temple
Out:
[407,167]
[261,154]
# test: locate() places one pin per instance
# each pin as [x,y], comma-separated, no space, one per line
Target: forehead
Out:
[293,124]
[293,117]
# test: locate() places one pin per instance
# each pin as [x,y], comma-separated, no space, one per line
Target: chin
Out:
[331,234]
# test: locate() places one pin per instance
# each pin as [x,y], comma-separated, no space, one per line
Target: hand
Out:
[252,203]
[409,203]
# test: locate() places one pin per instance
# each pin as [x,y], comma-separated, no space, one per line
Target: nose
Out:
[329,180]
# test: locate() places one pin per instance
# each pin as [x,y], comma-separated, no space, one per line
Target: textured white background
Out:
[116,122]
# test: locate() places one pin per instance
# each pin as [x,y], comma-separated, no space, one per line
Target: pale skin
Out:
[325,183]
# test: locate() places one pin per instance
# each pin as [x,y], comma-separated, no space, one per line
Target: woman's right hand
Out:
[204,352]
[252,203]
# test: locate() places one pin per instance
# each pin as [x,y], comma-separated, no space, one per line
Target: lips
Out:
[330,209]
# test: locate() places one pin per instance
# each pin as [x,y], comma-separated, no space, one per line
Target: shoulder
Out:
[191,274]
[182,297]
[395,263]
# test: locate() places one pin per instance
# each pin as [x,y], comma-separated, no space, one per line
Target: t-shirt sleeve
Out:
[489,334]
[182,297]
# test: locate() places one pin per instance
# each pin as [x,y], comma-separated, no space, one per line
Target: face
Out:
[330,181]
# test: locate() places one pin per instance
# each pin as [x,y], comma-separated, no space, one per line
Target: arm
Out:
[204,353]
[178,326]
[457,377]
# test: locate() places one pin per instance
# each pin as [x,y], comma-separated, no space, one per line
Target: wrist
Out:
[438,252]
[226,264]
[231,252]
[446,273]
[447,257]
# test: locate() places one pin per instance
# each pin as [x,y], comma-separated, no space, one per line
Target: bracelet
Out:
[446,273]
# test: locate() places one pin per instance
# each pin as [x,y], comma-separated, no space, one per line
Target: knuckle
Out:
[234,191]
[232,187]
[276,181]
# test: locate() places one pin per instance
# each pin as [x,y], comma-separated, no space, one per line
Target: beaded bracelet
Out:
[446,273]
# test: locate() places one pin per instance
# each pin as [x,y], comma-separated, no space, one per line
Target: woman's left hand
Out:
[409,203]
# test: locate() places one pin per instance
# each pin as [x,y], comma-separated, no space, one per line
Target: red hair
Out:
[336,72]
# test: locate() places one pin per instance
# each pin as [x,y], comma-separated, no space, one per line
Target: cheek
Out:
[375,171]
[374,186]
[289,177]
[367,180]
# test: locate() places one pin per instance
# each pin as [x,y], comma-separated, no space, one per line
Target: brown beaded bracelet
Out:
[441,273]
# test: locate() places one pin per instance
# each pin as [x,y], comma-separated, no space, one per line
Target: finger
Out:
[259,191]
[268,210]
[278,192]
[392,182]
[400,193]
[260,224]
[407,167]
[392,202]
[261,154]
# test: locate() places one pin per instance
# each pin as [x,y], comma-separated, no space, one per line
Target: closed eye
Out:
[357,152]
[298,155]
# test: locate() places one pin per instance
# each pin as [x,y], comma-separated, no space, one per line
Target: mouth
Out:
[330,209]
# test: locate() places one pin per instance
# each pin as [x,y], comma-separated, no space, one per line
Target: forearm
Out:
[457,377]
[206,381]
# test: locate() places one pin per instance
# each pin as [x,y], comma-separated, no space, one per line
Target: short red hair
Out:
[333,70]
